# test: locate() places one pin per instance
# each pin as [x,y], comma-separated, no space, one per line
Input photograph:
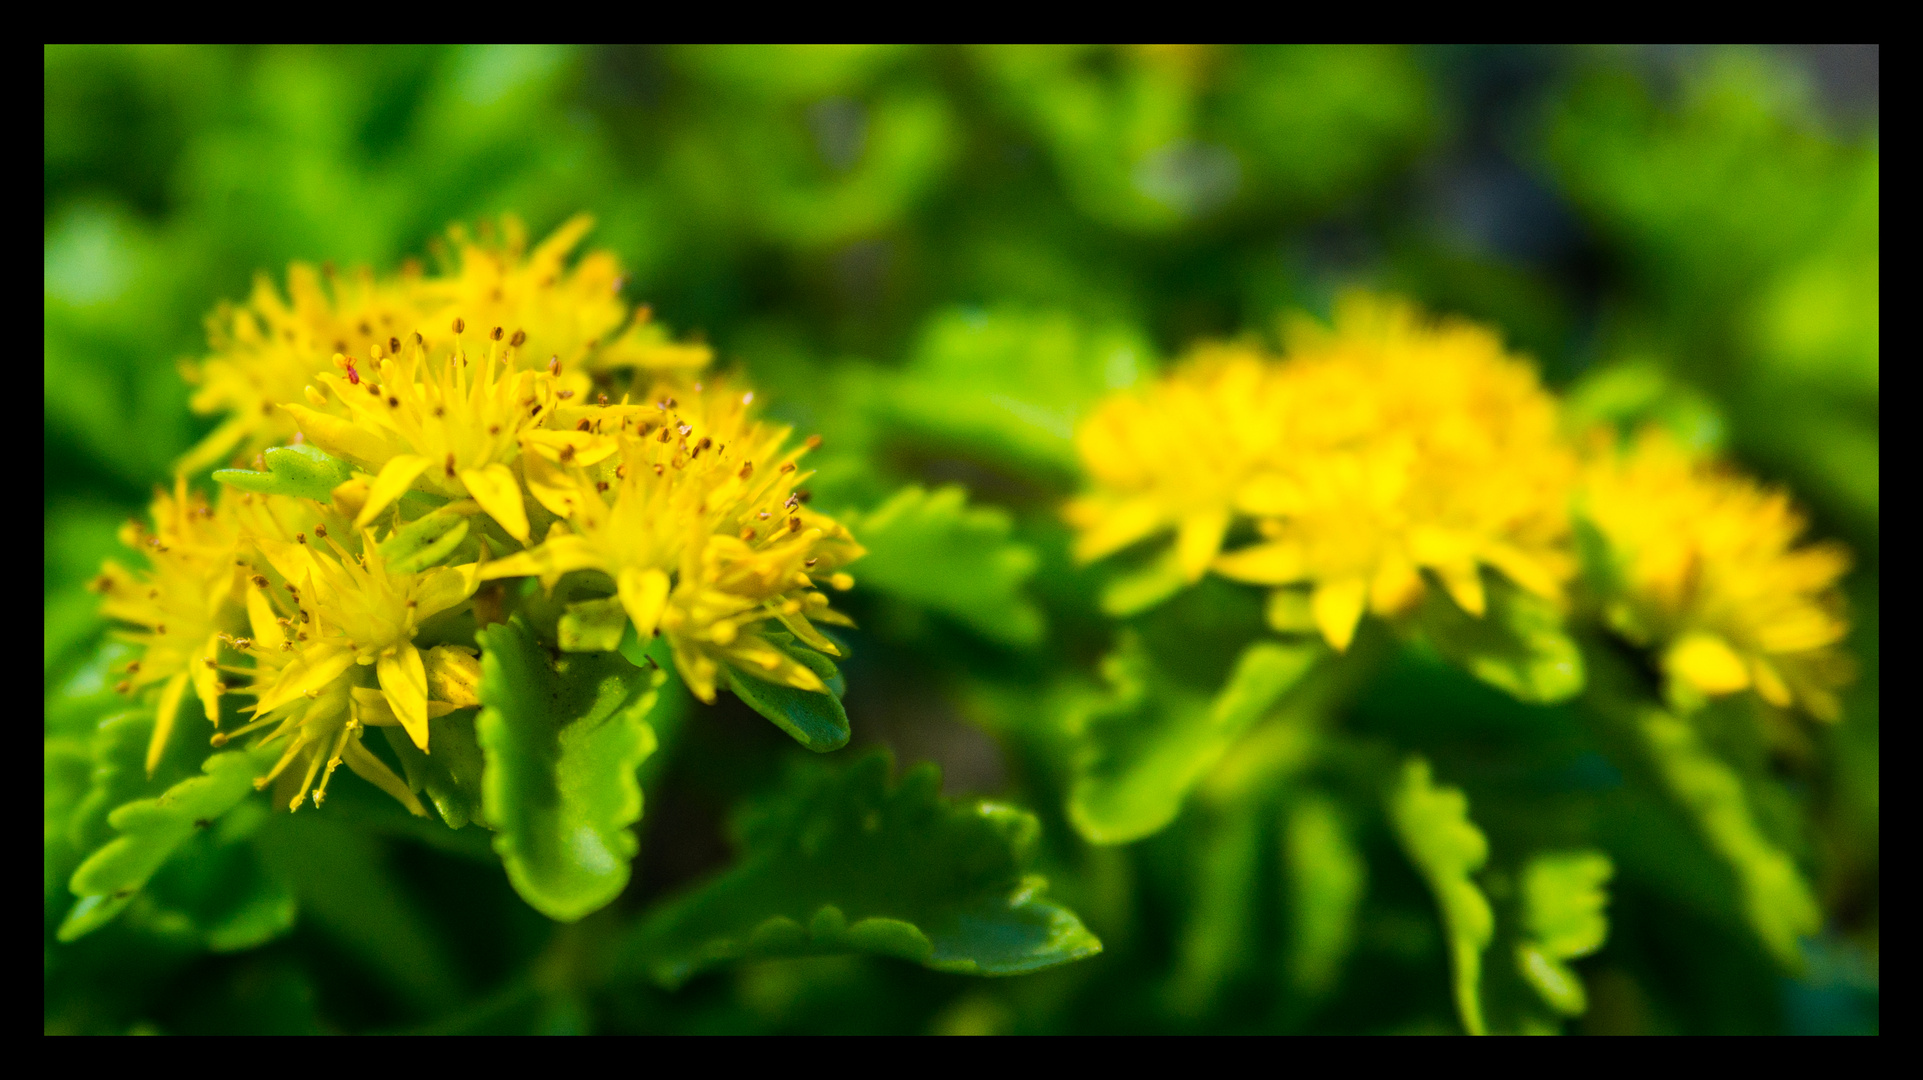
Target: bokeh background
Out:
[903,249]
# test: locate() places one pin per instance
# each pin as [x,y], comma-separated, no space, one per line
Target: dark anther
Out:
[460,325]
[519,338]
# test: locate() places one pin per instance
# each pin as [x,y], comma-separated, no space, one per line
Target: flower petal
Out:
[404,684]
[643,593]
[1337,606]
[396,477]
[500,495]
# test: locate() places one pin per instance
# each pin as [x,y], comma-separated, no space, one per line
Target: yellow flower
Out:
[1706,569]
[183,604]
[453,432]
[691,509]
[1180,454]
[1388,447]
[332,639]
[266,353]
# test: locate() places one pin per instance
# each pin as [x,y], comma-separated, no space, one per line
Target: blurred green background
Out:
[937,258]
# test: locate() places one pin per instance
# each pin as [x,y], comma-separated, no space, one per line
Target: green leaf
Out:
[562,738]
[1327,877]
[451,775]
[150,832]
[339,872]
[1221,920]
[1563,898]
[839,862]
[1433,824]
[1010,385]
[932,550]
[592,626]
[815,720]
[302,470]
[1778,901]
[423,542]
[1519,645]
[1135,591]
[1147,747]
[66,775]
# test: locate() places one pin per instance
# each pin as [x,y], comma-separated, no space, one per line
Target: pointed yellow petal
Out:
[1395,587]
[1464,584]
[263,623]
[322,665]
[1278,563]
[445,587]
[342,438]
[1706,662]
[643,593]
[206,679]
[1769,683]
[404,683]
[396,477]
[551,485]
[170,696]
[500,495]
[1337,606]
[374,771]
[1198,540]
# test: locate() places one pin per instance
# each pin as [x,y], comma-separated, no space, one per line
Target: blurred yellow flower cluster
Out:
[430,455]
[1707,569]
[1393,453]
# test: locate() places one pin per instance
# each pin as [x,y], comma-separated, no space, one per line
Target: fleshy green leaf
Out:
[451,774]
[932,550]
[841,863]
[424,542]
[815,720]
[1433,824]
[1563,899]
[302,470]
[151,830]
[592,626]
[562,737]
[1147,747]
[1778,901]
[1326,880]
[1518,645]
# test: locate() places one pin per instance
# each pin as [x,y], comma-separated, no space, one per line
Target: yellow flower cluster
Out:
[266,352]
[1381,450]
[1708,571]
[456,462]
[1391,452]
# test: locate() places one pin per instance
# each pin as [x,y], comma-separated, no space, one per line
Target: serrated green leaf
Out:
[592,626]
[150,832]
[1146,748]
[840,862]
[1327,878]
[934,551]
[815,720]
[302,470]
[1563,900]
[562,738]
[1778,902]
[451,774]
[424,542]
[1447,848]
[1519,645]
